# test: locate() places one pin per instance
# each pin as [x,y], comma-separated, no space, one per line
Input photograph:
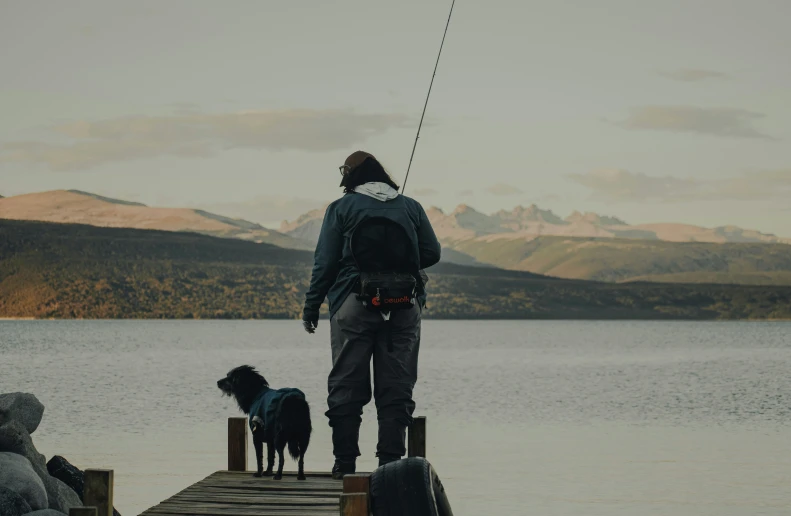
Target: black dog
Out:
[278,417]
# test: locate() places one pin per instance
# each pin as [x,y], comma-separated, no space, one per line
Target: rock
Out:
[46,512]
[66,472]
[18,475]
[11,504]
[15,438]
[60,496]
[22,407]
[71,475]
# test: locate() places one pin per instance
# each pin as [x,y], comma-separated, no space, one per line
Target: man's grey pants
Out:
[357,334]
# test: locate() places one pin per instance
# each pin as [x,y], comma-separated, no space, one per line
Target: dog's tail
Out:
[295,425]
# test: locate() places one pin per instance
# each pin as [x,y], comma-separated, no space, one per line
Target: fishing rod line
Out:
[409,167]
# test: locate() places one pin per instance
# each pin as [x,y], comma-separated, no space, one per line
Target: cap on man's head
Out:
[356,159]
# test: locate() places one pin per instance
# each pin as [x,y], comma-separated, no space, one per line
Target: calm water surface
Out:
[550,418]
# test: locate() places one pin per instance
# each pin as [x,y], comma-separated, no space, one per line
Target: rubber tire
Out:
[408,487]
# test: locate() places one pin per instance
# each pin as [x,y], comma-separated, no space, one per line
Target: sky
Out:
[673,111]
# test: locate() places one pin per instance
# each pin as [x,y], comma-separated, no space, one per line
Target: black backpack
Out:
[389,276]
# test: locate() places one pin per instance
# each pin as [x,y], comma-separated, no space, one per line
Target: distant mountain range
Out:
[306,228]
[595,247]
[525,223]
[581,246]
[75,206]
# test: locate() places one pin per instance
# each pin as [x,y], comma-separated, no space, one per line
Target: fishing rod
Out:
[427,96]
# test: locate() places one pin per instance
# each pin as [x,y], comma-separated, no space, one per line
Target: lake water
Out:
[545,418]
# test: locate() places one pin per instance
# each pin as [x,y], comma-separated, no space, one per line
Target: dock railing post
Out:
[417,438]
[237,444]
[355,499]
[98,491]
[356,484]
[354,504]
[82,511]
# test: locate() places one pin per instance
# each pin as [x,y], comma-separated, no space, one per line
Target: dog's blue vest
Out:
[267,407]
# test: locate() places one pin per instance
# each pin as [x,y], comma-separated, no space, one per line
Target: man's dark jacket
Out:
[335,273]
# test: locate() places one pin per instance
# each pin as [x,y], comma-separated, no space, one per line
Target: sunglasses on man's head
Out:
[344,169]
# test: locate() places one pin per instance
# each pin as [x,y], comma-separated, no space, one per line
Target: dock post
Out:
[356,484]
[82,511]
[354,500]
[417,438]
[237,444]
[354,504]
[98,491]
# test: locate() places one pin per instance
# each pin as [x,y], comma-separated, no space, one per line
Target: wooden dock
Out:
[235,492]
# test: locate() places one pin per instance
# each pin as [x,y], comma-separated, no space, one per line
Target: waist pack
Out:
[387,291]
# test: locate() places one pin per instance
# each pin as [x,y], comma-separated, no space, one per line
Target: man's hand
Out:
[310,326]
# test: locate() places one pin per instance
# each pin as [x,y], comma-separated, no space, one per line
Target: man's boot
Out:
[392,442]
[342,468]
[345,437]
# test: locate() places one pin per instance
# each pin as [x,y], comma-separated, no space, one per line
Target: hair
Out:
[369,171]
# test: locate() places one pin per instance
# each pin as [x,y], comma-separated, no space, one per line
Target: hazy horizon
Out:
[678,112]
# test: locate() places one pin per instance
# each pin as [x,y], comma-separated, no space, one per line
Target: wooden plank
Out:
[250,479]
[241,507]
[240,511]
[256,500]
[354,504]
[417,438]
[236,475]
[201,511]
[225,474]
[98,491]
[245,508]
[260,495]
[237,444]
[356,483]
[286,473]
[271,487]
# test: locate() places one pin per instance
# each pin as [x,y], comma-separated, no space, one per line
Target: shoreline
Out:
[589,319]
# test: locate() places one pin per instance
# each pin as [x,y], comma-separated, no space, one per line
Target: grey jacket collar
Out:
[379,191]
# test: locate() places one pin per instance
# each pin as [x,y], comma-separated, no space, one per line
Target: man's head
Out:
[354,160]
[360,168]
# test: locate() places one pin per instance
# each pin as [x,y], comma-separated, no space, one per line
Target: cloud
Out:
[727,122]
[694,75]
[425,191]
[550,198]
[503,189]
[616,185]
[195,134]
[466,193]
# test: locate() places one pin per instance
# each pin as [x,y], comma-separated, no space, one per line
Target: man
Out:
[359,330]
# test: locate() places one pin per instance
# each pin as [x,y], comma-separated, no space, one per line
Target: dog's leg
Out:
[301,473]
[270,457]
[259,454]
[281,446]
